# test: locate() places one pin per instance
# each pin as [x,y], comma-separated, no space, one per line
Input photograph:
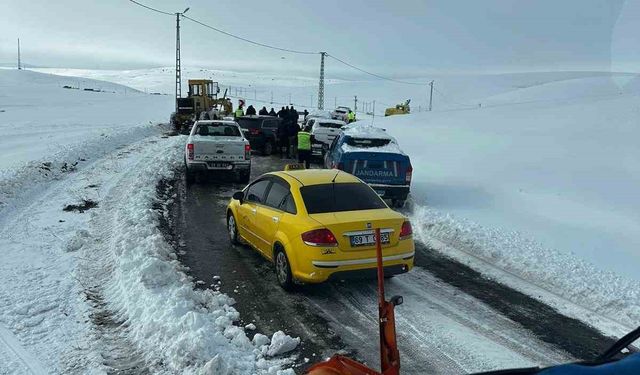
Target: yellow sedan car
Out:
[316,225]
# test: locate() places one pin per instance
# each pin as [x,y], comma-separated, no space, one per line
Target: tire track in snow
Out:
[12,345]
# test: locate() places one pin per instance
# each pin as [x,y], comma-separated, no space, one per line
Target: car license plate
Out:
[214,165]
[367,239]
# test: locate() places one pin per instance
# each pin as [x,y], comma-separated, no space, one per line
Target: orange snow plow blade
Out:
[389,355]
[339,365]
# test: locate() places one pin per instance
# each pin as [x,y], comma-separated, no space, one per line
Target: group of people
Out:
[292,140]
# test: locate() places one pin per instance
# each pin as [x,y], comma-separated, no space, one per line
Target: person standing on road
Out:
[251,111]
[283,139]
[304,139]
[273,112]
[240,110]
[281,113]
[294,115]
[293,130]
[351,117]
[263,111]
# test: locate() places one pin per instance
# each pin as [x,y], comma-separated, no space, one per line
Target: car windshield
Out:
[218,130]
[367,142]
[246,123]
[353,196]
[331,125]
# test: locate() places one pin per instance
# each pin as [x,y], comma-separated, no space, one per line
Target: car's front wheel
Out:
[232,229]
[283,270]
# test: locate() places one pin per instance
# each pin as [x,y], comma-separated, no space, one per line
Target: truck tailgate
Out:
[218,148]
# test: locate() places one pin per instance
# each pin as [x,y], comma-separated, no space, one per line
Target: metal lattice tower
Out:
[321,85]
[178,72]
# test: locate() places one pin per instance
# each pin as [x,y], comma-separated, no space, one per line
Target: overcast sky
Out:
[399,38]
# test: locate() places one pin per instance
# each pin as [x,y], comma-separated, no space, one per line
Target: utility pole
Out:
[355,103]
[321,84]
[19,63]
[373,112]
[290,99]
[271,97]
[430,96]
[178,68]
[335,102]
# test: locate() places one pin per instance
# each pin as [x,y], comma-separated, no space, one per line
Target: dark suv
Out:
[261,131]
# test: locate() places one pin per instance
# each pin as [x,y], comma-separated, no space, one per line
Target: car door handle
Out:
[254,210]
[275,219]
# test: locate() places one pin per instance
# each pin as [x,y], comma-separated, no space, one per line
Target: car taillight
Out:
[407,177]
[247,152]
[406,231]
[254,131]
[190,151]
[319,237]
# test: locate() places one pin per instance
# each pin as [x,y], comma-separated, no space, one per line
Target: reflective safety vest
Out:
[239,112]
[304,141]
[351,116]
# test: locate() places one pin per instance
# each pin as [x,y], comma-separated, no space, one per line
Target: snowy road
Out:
[453,320]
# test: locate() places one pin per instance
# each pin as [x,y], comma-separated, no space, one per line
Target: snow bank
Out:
[542,185]
[176,326]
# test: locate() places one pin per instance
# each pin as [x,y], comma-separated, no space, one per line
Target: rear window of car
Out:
[218,130]
[352,196]
[271,124]
[331,125]
[367,142]
[249,123]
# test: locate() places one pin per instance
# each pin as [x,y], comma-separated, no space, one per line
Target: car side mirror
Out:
[397,300]
[239,196]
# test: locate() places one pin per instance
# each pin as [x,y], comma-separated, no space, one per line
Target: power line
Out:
[376,75]
[153,9]
[249,40]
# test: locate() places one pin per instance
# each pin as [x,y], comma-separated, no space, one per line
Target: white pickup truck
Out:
[215,145]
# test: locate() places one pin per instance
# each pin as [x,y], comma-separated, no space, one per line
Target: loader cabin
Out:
[203,92]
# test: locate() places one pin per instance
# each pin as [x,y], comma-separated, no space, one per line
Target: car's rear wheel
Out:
[398,203]
[283,269]
[267,149]
[190,176]
[244,176]
[232,229]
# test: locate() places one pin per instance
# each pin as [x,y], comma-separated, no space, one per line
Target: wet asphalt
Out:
[196,227]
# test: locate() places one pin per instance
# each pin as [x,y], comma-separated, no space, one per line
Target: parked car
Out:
[324,131]
[217,146]
[261,131]
[318,224]
[317,113]
[374,156]
[340,113]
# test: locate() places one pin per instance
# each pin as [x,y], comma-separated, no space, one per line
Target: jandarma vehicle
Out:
[316,225]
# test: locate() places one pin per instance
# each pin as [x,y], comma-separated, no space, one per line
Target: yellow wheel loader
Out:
[400,109]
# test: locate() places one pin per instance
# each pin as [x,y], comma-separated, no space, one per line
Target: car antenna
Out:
[334,177]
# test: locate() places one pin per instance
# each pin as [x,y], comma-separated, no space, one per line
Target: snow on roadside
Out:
[176,327]
[604,299]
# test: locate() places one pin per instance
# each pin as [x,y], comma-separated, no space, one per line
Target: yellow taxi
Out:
[318,224]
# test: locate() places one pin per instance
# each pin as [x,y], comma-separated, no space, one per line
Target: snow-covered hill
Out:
[542,182]
[40,117]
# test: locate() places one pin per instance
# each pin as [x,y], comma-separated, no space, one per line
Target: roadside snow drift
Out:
[541,182]
[89,283]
